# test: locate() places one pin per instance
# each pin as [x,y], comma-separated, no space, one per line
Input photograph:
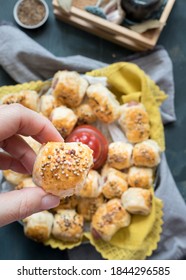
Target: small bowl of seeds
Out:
[31,14]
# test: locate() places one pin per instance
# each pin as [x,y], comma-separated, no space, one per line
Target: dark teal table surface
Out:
[64,40]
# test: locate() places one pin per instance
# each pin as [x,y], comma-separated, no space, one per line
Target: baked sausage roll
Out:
[64,120]
[146,153]
[68,226]
[137,201]
[88,206]
[103,103]
[85,114]
[25,183]
[38,226]
[69,202]
[27,98]
[140,177]
[46,104]
[120,155]
[108,219]
[105,170]
[32,143]
[134,121]
[61,168]
[114,185]
[91,187]
[13,177]
[69,87]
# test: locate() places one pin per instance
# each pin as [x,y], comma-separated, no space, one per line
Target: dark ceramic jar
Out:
[140,9]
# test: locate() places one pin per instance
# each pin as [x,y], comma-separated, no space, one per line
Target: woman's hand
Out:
[17,120]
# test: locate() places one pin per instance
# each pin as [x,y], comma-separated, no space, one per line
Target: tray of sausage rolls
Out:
[106,170]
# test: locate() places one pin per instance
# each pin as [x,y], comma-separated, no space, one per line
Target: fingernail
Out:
[49,201]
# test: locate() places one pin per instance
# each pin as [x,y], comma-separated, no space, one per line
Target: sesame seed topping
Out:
[72,152]
[58,160]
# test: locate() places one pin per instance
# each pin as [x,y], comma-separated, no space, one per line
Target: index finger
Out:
[17,119]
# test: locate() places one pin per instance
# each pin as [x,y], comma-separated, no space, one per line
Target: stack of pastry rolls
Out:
[108,196]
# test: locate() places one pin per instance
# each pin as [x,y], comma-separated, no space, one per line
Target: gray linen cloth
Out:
[25,60]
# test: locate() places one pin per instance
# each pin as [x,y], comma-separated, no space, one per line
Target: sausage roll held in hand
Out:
[61,168]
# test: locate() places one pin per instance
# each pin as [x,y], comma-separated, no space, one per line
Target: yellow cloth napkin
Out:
[34,85]
[128,82]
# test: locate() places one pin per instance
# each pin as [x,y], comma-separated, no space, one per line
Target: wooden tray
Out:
[111,31]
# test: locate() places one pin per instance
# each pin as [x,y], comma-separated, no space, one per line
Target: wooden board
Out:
[111,31]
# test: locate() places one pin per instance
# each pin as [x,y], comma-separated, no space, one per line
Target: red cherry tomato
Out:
[93,138]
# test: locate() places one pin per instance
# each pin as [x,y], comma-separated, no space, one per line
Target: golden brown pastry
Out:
[137,201]
[69,202]
[63,119]
[70,87]
[14,177]
[103,103]
[146,153]
[88,206]
[68,226]
[28,98]
[114,185]
[120,155]
[105,170]
[134,121]
[108,219]
[91,187]
[25,183]
[46,104]
[32,143]
[85,114]
[38,226]
[61,168]
[140,177]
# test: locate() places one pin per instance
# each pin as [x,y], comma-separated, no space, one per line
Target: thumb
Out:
[18,204]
